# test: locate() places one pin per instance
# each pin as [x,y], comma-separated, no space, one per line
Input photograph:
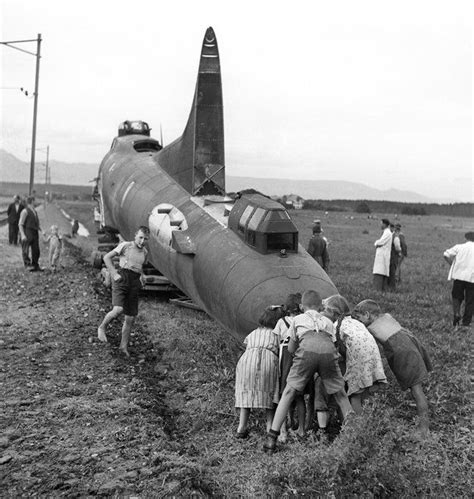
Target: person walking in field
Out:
[406,356]
[318,248]
[126,284]
[461,259]
[13,213]
[383,248]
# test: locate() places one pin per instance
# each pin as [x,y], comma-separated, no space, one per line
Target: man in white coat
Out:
[383,248]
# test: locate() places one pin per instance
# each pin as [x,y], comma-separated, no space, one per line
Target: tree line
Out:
[366,206]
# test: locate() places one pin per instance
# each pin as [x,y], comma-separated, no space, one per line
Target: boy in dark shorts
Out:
[314,353]
[126,284]
[406,357]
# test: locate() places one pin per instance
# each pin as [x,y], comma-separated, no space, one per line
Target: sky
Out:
[374,92]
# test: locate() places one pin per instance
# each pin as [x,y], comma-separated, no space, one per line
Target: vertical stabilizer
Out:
[196,159]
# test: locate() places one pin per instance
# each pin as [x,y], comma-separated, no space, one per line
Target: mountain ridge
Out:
[13,169]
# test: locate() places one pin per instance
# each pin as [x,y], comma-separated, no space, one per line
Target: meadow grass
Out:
[376,455]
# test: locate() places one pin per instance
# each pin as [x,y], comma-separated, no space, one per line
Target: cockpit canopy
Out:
[263,224]
[133,128]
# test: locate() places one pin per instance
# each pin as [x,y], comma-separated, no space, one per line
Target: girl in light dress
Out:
[256,375]
[55,247]
[291,308]
[364,368]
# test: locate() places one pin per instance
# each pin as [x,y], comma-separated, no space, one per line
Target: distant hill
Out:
[14,170]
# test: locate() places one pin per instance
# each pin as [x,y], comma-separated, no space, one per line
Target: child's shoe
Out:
[270,442]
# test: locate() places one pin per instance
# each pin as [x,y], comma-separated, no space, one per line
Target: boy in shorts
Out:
[405,355]
[314,353]
[126,284]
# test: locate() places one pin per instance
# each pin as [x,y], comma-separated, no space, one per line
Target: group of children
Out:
[321,348]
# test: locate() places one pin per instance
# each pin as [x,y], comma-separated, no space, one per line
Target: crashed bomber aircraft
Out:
[231,258]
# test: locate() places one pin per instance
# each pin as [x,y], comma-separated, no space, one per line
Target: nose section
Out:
[274,292]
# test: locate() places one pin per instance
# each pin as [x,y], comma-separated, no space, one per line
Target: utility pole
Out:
[35,115]
[47,178]
[35,106]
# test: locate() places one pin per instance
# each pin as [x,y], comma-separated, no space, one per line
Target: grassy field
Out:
[162,424]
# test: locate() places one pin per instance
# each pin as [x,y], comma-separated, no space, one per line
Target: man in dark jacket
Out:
[318,248]
[29,226]
[13,212]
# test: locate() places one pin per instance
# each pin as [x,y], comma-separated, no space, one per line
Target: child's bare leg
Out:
[244,420]
[301,414]
[343,402]
[126,328]
[356,402]
[323,419]
[283,437]
[421,408]
[283,408]
[115,312]
[269,413]
[309,412]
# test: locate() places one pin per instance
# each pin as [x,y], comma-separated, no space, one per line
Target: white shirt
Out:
[311,320]
[462,267]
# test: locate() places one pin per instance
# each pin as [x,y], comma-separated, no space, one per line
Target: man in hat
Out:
[29,226]
[318,247]
[383,249]
[461,259]
[13,212]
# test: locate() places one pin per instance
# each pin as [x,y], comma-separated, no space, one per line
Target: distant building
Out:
[295,201]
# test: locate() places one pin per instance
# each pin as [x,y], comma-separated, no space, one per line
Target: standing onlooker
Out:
[126,284]
[383,248]
[403,252]
[395,252]
[75,228]
[29,226]
[55,247]
[461,258]
[318,248]
[13,212]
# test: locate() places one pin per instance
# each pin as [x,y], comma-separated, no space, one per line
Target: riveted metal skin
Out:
[210,262]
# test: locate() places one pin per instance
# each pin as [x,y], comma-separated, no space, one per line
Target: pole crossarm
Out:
[9,44]
[37,54]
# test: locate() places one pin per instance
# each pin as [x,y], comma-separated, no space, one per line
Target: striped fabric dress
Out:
[256,375]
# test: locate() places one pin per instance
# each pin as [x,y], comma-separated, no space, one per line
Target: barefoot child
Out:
[256,374]
[55,247]
[364,368]
[314,352]
[406,357]
[126,284]
[282,330]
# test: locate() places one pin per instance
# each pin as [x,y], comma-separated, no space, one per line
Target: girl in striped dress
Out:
[256,375]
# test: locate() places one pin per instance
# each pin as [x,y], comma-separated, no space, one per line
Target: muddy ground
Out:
[78,418]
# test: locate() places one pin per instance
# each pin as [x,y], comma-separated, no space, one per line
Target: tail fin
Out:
[196,159]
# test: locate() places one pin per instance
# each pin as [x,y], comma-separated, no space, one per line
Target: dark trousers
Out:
[463,291]
[13,233]
[32,241]
[391,281]
[380,282]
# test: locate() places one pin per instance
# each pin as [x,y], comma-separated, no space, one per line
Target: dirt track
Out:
[77,418]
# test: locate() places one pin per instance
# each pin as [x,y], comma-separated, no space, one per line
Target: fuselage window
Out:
[147,146]
[244,218]
[257,217]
